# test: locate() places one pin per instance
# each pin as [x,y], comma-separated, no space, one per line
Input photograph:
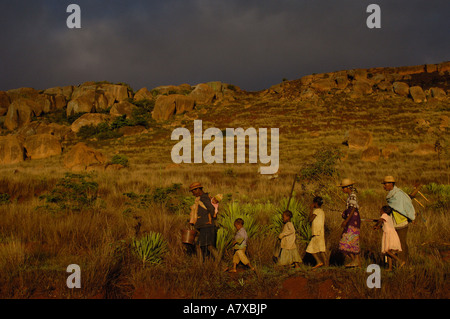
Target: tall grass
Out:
[36,245]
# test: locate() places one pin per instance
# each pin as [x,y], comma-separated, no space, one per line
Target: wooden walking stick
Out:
[292,191]
[423,196]
[419,203]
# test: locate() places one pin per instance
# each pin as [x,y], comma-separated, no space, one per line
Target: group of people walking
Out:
[394,220]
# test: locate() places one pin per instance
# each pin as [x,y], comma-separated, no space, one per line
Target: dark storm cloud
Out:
[252,44]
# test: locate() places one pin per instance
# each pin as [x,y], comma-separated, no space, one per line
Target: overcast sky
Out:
[253,44]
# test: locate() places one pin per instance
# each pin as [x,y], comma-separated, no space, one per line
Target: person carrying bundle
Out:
[403,211]
[201,216]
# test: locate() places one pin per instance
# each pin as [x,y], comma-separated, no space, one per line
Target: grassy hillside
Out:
[51,219]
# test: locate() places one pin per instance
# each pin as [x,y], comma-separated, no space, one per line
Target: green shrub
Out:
[323,166]
[120,121]
[150,249]
[73,192]
[91,130]
[438,189]
[4,198]
[442,194]
[142,115]
[147,105]
[141,201]
[102,131]
[58,116]
[120,159]
[72,118]
[162,194]
[169,196]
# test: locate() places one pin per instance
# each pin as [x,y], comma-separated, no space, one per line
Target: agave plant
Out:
[223,240]
[150,248]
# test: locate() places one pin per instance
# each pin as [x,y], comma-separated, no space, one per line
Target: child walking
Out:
[240,245]
[316,246]
[289,253]
[390,242]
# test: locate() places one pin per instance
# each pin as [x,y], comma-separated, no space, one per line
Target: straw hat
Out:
[195,186]
[388,179]
[218,197]
[346,182]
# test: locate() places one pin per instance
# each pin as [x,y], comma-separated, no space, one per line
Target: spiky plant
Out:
[150,248]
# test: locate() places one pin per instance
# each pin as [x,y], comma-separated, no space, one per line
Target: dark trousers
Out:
[402,234]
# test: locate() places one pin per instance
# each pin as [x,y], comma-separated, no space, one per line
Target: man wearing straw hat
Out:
[403,212]
[202,219]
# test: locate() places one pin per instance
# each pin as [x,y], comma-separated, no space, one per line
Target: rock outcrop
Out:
[22,93]
[431,79]
[417,94]
[167,105]
[20,113]
[122,108]
[89,119]
[401,88]
[370,154]
[65,91]
[93,97]
[80,157]
[4,103]
[42,146]
[422,84]
[143,94]
[11,150]
[358,139]
[438,93]
[389,150]
[55,129]
[82,104]
[203,94]
[424,149]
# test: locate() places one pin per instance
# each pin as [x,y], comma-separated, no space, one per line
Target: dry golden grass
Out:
[36,245]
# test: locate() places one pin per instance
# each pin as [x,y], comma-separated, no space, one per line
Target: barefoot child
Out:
[240,245]
[316,246]
[390,243]
[289,253]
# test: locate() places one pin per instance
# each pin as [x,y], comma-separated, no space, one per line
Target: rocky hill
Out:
[37,124]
